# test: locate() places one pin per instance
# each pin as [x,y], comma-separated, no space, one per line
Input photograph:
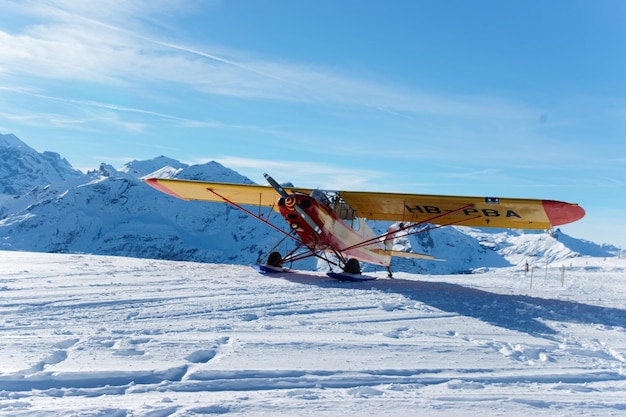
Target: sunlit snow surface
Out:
[106,336]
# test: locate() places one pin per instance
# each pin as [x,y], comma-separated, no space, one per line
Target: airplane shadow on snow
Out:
[515,312]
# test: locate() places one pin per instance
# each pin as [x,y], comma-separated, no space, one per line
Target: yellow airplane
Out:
[333,222]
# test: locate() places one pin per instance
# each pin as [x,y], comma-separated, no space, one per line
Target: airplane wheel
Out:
[275,259]
[353,267]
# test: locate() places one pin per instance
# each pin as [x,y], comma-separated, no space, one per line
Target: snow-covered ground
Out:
[84,335]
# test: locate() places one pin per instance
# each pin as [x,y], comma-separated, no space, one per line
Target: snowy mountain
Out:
[48,206]
[22,168]
[167,167]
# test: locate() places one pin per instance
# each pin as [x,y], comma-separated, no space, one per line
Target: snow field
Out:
[109,336]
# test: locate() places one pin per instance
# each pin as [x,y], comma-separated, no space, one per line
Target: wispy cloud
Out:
[109,116]
[122,46]
[110,46]
[300,173]
[621,182]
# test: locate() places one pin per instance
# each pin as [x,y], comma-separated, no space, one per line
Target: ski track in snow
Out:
[106,336]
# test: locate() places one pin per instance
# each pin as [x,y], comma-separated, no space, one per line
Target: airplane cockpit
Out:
[335,203]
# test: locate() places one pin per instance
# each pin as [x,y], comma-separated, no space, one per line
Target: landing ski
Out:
[268,269]
[345,276]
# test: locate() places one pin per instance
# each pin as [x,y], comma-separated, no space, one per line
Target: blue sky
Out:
[510,99]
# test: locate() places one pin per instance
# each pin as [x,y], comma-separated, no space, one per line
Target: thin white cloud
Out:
[300,173]
[109,46]
[108,116]
[97,104]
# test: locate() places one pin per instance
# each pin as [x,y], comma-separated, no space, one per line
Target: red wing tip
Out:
[560,213]
[154,183]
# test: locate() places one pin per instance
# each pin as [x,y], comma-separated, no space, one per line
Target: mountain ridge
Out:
[48,206]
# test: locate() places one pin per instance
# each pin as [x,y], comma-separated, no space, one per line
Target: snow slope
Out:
[111,336]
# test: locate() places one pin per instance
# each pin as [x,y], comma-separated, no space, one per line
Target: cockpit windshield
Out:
[335,203]
[321,197]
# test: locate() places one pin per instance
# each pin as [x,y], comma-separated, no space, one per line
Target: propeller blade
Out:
[308,219]
[281,191]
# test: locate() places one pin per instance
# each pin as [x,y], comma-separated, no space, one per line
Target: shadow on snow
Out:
[515,312]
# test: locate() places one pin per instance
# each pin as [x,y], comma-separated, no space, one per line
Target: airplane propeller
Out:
[281,191]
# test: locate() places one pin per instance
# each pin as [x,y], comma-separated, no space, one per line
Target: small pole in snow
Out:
[526,270]
[562,275]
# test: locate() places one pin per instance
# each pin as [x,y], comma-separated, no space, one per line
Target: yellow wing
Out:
[437,209]
[247,194]
[464,211]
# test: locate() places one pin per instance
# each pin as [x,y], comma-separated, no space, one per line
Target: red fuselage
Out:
[336,234]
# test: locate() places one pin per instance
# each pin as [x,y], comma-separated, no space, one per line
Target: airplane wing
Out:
[463,211]
[436,209]
[246,194]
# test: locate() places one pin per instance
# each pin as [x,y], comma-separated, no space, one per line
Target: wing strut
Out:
[289,258]
[374,239]
[258,217]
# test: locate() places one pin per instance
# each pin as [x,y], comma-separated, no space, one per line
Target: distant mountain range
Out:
[48,206]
